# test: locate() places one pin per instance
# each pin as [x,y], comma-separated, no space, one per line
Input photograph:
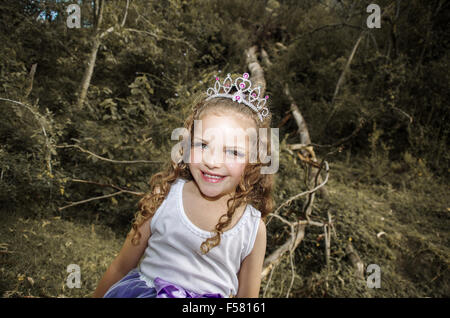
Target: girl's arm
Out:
[128,258]
[251,267]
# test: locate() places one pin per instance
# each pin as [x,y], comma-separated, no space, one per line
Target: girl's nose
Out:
[212,158]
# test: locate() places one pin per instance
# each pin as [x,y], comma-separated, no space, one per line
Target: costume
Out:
[173,265]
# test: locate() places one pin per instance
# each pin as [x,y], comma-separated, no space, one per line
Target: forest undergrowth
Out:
[401,227]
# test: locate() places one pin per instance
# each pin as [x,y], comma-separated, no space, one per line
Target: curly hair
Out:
[254,188]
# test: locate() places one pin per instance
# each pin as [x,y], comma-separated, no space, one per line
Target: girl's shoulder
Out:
[178,183]
[254,212]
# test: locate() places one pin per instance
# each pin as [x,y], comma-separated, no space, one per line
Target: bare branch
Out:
[292,273]
[290,245]
[125,15]
[31,80]
[404,113]
[90,199]
[106,159]
[265,58]
[255,68]
[343,74]
[305,192]
[108,185]
[301,123]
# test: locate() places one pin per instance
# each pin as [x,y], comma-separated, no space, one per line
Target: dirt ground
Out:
[400,226]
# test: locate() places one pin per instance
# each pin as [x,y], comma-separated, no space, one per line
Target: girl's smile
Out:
[213,178]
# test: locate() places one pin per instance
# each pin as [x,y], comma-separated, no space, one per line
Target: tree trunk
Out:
[89,70]
[85,83]
[96,41]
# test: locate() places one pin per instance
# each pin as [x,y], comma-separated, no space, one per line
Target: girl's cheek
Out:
[236,168]
[195,156]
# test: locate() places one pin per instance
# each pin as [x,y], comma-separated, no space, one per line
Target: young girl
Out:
[199,232]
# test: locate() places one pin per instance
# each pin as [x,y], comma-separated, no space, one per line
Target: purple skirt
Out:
[132,286]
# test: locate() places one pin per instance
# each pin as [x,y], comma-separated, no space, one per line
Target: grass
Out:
[413,254]
[35,254]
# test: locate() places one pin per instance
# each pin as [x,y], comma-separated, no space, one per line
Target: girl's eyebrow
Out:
[228,147]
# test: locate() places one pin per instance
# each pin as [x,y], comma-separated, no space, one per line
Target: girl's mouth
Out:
[211,178]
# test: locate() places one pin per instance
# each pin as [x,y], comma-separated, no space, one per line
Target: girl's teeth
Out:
[210,176]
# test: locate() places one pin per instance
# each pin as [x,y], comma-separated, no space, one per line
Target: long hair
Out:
[254,188]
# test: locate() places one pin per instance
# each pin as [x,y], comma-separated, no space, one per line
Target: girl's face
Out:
[219,152]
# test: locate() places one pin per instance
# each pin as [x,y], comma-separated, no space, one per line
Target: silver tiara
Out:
[244,93]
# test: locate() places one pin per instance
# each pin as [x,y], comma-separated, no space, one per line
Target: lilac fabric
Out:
[131,286]
[165,289]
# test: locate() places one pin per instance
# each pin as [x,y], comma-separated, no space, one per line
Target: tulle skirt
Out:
[133,286]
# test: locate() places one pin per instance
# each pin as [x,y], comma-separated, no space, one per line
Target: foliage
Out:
[148,71]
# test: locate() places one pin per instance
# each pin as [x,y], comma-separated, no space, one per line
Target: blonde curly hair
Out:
[254,188]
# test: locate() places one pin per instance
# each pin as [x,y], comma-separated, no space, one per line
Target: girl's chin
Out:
[209,190]
[210,194]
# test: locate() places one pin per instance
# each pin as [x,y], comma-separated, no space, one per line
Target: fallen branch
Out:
[297,235]
[303,193]
[308,151]
[255,69]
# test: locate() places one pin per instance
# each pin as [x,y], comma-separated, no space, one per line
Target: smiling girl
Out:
[199,231]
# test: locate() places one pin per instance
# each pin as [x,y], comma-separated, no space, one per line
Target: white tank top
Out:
[173,251]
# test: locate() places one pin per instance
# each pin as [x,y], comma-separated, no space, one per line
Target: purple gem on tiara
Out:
[242,85]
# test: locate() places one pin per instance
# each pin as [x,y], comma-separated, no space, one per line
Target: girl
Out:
[199,231]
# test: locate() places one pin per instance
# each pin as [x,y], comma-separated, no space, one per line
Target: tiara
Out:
[244,93]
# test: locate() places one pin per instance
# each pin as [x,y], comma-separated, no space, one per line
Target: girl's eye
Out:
[235,153]
[200,144]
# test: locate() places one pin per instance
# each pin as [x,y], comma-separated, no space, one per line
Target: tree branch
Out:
[90,199]
[106,159]
[125,15]
[305,192]
[108,185]
[255,68]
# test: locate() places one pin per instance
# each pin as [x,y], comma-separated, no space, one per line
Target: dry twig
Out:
[106,159]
